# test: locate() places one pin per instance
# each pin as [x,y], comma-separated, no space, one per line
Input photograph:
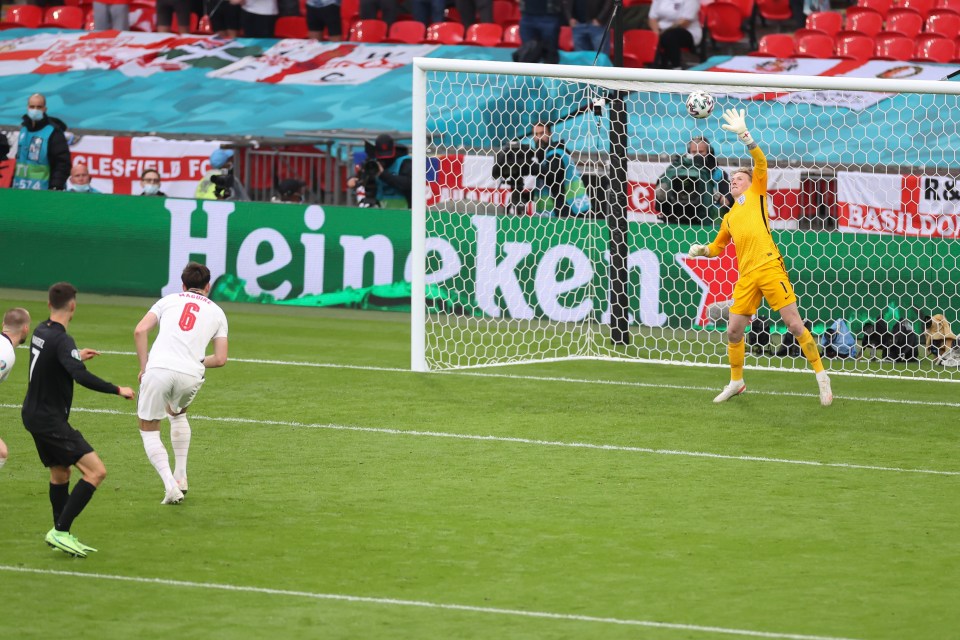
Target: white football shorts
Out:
[163,388]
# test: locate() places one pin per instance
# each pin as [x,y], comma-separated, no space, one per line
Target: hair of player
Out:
[15,319]
[195,276]
[60,295]
[746,170]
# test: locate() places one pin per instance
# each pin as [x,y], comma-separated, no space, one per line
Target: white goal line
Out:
[397,602]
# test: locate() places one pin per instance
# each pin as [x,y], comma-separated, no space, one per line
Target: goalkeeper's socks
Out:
[809,347]
[735,352]
[180,441]
[157,454]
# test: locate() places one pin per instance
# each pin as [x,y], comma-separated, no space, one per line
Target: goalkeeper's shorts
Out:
[768,281]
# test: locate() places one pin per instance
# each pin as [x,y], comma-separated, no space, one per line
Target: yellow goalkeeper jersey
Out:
[747,223]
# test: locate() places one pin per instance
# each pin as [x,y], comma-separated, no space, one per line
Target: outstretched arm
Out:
[737,123]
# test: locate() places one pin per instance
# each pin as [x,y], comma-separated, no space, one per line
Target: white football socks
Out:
[180,440]
[3,461]
[158,457]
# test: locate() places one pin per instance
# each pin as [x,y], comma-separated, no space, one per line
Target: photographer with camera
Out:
[386,175]
[220,183]
[693,190]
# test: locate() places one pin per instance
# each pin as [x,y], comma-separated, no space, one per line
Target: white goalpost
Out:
[553,207]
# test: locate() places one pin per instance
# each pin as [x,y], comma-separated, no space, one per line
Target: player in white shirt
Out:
[172,374]
[16,328]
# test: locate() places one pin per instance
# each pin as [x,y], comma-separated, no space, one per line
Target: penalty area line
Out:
[422,604]
[534,442]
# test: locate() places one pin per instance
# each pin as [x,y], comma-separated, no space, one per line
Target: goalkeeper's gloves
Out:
[737,123]
[699,251]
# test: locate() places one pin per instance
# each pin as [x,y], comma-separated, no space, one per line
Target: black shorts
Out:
[225,16]
[166,9]
[328,16]
[61,447]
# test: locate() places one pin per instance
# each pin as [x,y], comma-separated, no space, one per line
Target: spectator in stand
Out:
[430,11]
[150,182]
[43,153]
[111,14]
[290,190]
[590,18]
[540,22]
[258,17]
[165,12]
[471,10]
[224,18]
[387,8]
[80,179]
[677,23]
[324,14]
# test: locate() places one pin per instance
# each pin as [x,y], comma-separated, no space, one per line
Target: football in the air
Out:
[700,104]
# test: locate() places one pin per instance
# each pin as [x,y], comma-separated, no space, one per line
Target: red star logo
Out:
[715,276]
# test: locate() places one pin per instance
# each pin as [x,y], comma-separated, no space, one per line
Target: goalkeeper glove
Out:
[737,123]
[699,251]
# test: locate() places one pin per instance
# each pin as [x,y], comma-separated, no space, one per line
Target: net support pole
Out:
[418,210]
[617,206]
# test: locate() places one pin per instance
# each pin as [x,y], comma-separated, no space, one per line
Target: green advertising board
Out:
[497,265]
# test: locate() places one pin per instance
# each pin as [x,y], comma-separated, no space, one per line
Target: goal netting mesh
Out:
[524,188]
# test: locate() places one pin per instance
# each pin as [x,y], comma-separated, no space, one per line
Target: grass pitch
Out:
[569,500]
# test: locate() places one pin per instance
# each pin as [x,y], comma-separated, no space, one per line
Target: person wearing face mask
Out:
[220,183]
[80,179]
[693,190]
[150,181]
[43,154]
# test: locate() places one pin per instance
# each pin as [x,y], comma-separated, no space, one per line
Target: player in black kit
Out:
[55,362]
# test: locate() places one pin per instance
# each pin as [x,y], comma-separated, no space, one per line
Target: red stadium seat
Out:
[934,48]
[748,10]
[371,31]
[505,12]
[866,21]
[854,46]
[484,34]
[511,36]
[639,47]
[943,21]
[63,17]
[445,33]
[880,6]
[566,39]
[893,46]
[905,21]
[722,22]
[953,5]
[23,15]
[775,10]
[349,13]
[291,27]
[406,32]
[814,46]
[922,7]
[778,45]
[830,22]
[88,22]
[204,28]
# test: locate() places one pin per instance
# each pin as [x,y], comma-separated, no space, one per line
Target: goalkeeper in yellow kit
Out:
[762,274]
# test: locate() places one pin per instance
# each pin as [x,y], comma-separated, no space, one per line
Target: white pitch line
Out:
[616,383]
[567,617]
[533,442]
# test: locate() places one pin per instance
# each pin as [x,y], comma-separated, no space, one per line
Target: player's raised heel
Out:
[826,393]
[734,388]
[182,483]
[174,496]
[63,541]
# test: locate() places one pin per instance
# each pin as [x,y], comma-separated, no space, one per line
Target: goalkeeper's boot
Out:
[65,542]
[173,496]
[734,388]
[826,393]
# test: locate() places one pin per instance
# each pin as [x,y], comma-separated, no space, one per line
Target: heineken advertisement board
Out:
[501,266]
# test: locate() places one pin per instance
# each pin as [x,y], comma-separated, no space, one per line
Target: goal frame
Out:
[423,66]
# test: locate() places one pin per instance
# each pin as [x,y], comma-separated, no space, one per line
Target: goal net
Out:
[554,207]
